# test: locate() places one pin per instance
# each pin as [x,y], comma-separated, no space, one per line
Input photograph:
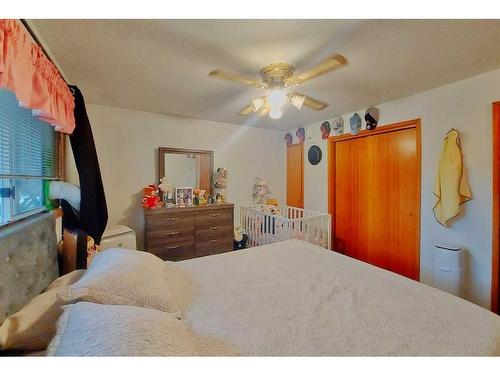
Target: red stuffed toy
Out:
[151,200]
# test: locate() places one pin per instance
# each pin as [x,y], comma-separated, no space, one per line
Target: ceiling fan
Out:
[279,80]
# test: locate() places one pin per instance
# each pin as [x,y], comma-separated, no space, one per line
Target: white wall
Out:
[465,105]
[127,143]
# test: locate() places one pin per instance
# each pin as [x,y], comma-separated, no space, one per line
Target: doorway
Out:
[374,196]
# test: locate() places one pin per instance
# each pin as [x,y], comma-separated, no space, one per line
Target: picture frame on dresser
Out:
[184,196]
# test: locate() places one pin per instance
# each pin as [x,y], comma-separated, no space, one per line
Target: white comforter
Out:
[293,298]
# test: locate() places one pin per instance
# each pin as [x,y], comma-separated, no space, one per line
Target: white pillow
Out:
[32,327]
[89,329]
[124,277]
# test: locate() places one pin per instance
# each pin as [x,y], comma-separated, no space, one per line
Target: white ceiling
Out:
[162,65]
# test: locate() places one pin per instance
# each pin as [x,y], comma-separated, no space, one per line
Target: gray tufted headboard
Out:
[28,261]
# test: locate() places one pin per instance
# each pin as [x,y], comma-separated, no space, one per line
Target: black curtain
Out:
[93,215]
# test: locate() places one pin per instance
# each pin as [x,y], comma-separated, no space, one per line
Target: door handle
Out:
[171,233]
[215,227]
[171,218]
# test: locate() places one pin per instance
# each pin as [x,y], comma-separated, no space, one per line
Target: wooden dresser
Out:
[190,232]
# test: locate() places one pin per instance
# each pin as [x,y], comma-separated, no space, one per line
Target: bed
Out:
[289,298]
[293,298]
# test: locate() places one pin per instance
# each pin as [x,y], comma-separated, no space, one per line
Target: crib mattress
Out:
[295,298]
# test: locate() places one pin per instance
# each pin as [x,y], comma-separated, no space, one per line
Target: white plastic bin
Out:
[119,236]
[448,268]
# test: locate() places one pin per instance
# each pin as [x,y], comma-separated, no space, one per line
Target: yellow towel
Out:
[451,187]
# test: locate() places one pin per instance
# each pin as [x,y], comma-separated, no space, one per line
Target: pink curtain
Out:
[26,71]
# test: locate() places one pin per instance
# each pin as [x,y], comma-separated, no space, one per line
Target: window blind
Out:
[27,145]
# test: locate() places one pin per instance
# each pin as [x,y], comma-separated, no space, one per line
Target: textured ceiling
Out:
[162,65]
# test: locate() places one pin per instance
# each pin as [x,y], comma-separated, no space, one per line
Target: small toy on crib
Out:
[271,207]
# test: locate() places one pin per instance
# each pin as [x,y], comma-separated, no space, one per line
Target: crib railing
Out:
[288,223]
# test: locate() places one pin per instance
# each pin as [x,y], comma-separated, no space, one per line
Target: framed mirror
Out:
[186,168]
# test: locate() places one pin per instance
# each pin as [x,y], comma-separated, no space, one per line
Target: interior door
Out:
[375,197]
[295,175]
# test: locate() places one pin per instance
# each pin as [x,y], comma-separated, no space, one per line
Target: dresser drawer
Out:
[170,241]
[214,231]
[168,234]
[213,246]
[214,217]
[174,252]
[166,222]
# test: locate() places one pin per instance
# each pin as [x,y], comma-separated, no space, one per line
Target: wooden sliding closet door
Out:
[375,197]
[295,175]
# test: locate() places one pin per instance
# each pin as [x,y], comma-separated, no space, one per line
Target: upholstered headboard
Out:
[28,261]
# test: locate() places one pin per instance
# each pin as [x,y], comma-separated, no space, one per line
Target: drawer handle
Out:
[215,215]
[172,247]
[171,218]
[171,233]
[213,241]
[215,228]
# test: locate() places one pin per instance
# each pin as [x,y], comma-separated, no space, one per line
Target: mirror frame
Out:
[162,151]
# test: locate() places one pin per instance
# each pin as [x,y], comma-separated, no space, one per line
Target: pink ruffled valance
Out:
[38,85]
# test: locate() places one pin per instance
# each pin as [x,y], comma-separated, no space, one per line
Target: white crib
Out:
[290,222]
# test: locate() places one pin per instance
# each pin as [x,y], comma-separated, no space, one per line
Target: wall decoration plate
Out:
[338,125]
[325,130]
[314,155]
[288,139]
[355,123]
[372,116]
[301,134]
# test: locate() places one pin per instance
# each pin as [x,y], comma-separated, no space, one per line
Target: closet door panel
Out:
[377,200]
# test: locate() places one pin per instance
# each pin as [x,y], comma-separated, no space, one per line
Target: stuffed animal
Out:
[151,200]
[240,238]
[261,191]
[164,185]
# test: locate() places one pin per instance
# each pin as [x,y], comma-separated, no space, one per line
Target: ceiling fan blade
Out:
[333,62]
[246,111]
[258,102]
[315,104]
[264,110]
[236,78]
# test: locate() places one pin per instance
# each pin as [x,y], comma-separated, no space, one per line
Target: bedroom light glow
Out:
[275,113]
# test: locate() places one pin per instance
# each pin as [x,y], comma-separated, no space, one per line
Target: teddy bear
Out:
[151,200]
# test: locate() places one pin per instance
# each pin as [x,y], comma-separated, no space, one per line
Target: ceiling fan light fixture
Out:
[275,113]
[277,98]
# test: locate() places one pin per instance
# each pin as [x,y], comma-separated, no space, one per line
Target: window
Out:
[28,159]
